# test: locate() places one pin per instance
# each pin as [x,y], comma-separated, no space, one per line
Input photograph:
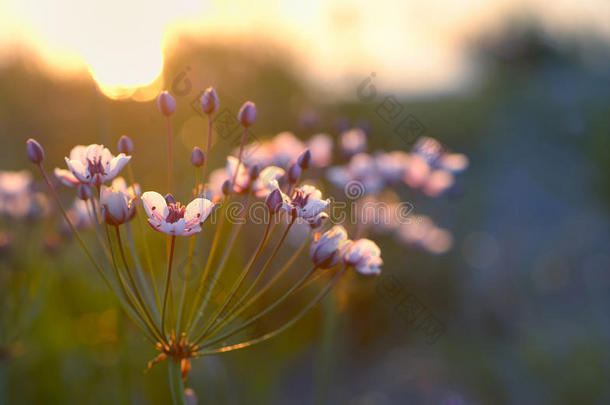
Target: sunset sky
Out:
[411,45]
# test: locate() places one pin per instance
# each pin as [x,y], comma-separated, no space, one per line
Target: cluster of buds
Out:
[182,331]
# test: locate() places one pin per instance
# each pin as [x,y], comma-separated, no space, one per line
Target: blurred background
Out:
[521,87]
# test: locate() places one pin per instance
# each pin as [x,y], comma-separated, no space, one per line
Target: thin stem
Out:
[241,151]
[256,281]
[139,319]
[168,281]
[265,288]
[147,255]
[282,328]
[134,285]
[207,147]
[206,270]
[175,382]
[219,269]
[264,312]
[131,313]
[169,154]
[237,283]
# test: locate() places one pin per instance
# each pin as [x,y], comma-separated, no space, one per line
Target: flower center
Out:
[299,198]
[95,166]
[176,212]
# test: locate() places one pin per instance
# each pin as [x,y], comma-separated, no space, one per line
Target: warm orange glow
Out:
[412,46]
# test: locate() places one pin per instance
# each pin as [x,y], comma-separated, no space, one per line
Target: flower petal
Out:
[115,165]
[66,177]
[155,205]
[78,170]
[198,210]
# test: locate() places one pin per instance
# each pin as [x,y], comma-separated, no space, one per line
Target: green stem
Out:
[168,282]
[175,382]
[206,270]
[260,314]
[237,284]
[282,328]
[255,283]
[207,148]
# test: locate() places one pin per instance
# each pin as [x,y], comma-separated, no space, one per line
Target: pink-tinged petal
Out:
[79,152]
[156,225]
[78,170]
[242,181]
[437,182]
[115,165]
[119,184]
[155,205]
[192,230]
[197,211]
[66,177]
[417,171]
[454,162]
[311,191]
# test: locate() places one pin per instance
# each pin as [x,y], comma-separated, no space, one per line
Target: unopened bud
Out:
[84,192]
[294,173]
[197,157]
[34,151]
[324,250]
[167,104]
[274,201]
[169,198]
[305,159]
[125,145]
[226,187]
[209,101]
[247,114]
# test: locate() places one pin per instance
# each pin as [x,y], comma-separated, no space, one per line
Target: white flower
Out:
[364,255]
[93,164]
[117,206]
[176,219]
[306,201]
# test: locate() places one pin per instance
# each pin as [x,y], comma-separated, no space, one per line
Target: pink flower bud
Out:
[125,145]
[197,157]
[247,114]
[274,201]
[209,101]
[34,151]
[84,192]
[167,104]
[324,251]
[117,207]
[305,159]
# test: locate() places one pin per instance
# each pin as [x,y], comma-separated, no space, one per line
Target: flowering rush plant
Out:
[181,319]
